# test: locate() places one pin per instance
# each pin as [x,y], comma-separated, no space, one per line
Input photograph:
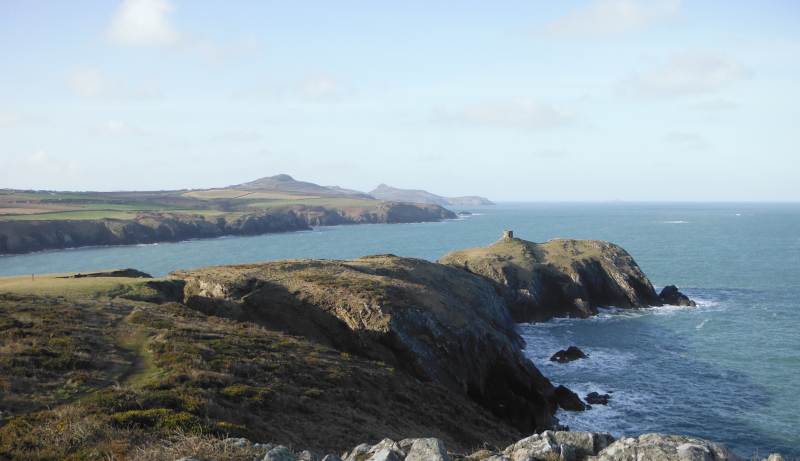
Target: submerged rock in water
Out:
[595,398]
[570,354]
[670,295]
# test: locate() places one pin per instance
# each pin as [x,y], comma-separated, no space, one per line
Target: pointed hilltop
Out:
[284,182]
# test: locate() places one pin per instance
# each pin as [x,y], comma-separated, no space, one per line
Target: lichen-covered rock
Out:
[385,450]
[279,453]
[560,278]
[427,450]
[662,447]
[558,446]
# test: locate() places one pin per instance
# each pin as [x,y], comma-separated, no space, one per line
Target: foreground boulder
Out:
[435,322]
[560,278]
[547,446]
[662,447]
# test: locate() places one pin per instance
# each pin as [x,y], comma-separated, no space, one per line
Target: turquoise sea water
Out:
[728,370]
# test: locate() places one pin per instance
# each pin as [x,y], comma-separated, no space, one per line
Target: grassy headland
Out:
[90,371]
[41,220]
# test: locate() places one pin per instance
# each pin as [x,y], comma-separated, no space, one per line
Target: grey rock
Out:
[279,453]
[309,456]
[428,450]
[189,458]
[538,446]
[775,457]
[583,443]
[662,447]
[385,450]
[332,457]
[357,452]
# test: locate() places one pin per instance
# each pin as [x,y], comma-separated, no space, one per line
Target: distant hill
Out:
[284,182]
[384,192]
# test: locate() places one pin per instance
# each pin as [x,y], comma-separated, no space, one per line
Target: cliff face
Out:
[560,278]
[18,237]
[435,322]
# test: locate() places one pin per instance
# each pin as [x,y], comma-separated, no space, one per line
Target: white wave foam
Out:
[702,324]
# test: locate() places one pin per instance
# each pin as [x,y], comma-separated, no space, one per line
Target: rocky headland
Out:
[313,354]
[559,278]
[26,236]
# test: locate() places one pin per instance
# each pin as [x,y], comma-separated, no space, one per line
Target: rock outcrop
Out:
[435,322]
[670,295]
[570,354]
[560,278]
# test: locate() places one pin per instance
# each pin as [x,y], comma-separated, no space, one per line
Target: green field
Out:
[46,206]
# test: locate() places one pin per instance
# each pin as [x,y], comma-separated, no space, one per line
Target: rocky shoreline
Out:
[22,236]
[547,446]
[323,354]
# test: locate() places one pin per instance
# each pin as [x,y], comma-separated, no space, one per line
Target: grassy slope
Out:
[85,374]
[99,205]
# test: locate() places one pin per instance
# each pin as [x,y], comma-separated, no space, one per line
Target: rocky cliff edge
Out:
[435,322]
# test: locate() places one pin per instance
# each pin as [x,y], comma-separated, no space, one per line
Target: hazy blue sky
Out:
[513,100]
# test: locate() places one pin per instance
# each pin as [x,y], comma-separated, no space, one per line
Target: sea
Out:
[727,370]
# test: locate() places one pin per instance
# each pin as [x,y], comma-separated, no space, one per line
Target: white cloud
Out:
[316,86]
[148,23]
[115,129]
[144,23]
[687,141]
[690,72]
[519,113]
[715,105]
[613,18]
[92,83]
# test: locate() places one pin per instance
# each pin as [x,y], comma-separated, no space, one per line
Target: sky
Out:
[652,100]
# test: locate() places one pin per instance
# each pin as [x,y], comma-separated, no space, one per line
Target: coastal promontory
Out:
[559,278]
